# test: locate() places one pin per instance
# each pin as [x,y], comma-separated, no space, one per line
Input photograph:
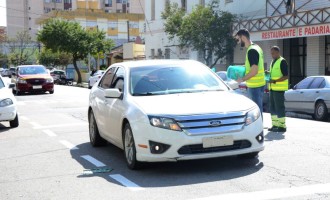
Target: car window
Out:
[170,79]
[118,80]
[2,85]
[304,84]
[322,85]
[107,78]
[316,83]
[32,70]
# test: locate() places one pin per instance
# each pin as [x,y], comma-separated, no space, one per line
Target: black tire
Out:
[321,111]
[130,149]
[94,136]
[51,92]
[14,123]
[249,155]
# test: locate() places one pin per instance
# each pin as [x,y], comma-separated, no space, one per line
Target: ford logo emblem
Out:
[215,123]
[36,81]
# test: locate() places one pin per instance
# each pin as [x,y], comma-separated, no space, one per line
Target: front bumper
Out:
[143,133]
[8,113]
[30,88]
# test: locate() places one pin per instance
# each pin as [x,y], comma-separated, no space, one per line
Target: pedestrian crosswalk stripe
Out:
[125,182]
[281,193]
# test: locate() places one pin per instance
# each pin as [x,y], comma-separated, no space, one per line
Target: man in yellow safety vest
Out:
[254,64]
[278,85]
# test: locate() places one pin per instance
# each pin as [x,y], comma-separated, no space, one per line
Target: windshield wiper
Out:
[145,94]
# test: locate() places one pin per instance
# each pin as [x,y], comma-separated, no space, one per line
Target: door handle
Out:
[301,92]
[317,92]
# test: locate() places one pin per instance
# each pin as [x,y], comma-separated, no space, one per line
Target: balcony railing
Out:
[304,18]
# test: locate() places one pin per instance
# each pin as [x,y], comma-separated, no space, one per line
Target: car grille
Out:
[212,123]
[36,81]
[198,148]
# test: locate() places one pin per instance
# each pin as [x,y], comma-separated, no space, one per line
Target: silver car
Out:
[310,96]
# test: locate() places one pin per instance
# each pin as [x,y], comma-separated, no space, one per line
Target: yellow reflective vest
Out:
[259,79]
[275,74]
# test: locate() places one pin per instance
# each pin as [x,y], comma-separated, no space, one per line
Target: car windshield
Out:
[159,80]
[32,70]
[2,85]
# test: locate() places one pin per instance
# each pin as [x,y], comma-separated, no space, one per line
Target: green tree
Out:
[206,29]
[71,38]
[3,60]
[22,49]
[49,58]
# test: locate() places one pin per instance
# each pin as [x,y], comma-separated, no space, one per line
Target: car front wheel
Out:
[321,111]
[129,148]
[14,123]
[95,139]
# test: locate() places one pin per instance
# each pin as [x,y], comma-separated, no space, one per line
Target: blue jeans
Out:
[257,95]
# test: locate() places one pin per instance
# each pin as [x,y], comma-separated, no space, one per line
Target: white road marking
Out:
[125,182]
[49,133]
[35,124]
[60,125]
[68,145]
[282,193]
[24,118]
[93,161]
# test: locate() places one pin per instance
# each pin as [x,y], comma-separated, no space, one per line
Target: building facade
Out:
[24,14]
[300,28]
[120,27]
[159,47]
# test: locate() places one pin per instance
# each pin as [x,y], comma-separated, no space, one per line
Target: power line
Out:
[145,17]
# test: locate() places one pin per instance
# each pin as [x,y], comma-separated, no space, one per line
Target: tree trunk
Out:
[77,70]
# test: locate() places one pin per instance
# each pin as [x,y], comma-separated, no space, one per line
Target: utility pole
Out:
[127,30]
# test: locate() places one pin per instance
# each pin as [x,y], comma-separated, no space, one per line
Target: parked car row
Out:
[7,72]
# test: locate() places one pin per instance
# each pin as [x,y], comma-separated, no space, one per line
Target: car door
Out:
[314,93]
[294,99]
[100,102]
[116,109]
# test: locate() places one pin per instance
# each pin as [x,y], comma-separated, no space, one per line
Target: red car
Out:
[32,78]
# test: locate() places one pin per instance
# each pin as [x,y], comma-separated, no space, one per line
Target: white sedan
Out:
[8,111]
[168,110]
[310,96]
[93,79]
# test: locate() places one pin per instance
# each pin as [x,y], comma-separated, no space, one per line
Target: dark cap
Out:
[243,32]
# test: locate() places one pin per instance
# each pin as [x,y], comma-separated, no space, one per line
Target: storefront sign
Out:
[304,31]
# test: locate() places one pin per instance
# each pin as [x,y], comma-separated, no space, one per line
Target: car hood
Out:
[34,76]
[6,93]
[193,103]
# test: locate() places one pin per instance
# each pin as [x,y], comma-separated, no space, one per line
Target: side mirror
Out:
[113,93]
[11,85]
[13,73]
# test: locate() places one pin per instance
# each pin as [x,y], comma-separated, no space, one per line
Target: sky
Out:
[3,17]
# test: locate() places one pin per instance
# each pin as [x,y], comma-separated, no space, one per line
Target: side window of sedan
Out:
[304,84]
[108,78]
[316,83]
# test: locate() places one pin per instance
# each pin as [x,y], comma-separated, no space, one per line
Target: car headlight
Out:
[49,80]
[6,102]
[252,116]
[22,81]
[163,122]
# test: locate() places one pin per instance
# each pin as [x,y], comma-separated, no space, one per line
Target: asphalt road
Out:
[46,156]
